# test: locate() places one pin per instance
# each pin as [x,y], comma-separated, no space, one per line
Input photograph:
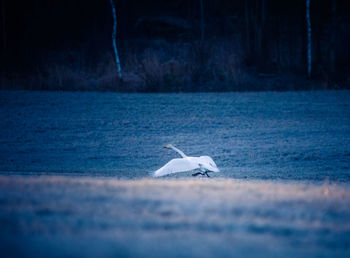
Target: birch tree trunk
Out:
[309,43]
[114,36]
[202,19]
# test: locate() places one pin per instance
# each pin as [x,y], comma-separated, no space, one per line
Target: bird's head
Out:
[168,146]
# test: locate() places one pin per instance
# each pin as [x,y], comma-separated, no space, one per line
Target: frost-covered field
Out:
[267,135]
[74,174]
[105,217]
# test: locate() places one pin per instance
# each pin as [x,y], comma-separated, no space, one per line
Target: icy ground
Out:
[74,175]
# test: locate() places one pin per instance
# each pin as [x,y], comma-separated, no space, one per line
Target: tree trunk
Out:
[254,31]
[248,45]
[202,19]
[309,43]
[279,44]
[332,48]
[257,31]
[114,36]
[260,51]
[3,21]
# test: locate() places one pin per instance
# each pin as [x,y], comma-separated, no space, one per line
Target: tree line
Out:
[306,38]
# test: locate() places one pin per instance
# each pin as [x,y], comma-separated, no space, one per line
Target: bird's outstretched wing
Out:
[175,166]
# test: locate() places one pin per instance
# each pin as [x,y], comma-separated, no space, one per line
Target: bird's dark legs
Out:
[198,173]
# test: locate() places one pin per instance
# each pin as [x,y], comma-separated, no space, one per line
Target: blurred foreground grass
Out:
[85,216]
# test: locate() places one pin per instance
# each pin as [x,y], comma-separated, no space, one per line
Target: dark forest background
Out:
[227,45]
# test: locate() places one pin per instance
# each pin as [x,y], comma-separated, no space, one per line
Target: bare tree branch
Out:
[114,36]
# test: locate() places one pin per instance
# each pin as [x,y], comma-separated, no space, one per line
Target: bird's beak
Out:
[166,146]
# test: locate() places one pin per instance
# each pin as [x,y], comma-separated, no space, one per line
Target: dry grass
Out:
[158,66]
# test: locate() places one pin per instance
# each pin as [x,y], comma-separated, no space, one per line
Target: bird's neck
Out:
[178,151]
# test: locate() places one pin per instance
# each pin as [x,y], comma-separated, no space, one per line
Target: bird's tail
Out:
[153,173]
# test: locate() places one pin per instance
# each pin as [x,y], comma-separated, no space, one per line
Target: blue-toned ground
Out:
[74,174]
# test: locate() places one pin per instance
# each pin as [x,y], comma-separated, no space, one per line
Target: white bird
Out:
[203,163]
